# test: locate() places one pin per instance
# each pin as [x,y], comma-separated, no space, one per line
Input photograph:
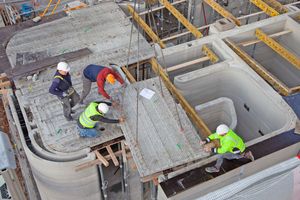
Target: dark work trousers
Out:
[229,156]
[68,103]
[86,87]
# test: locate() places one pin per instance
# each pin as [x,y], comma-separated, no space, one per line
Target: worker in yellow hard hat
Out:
[99,74]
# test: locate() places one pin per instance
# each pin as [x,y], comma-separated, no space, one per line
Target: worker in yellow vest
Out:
[87,122]
[232,147]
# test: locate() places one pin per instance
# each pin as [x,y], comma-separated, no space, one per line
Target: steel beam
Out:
[265,7]
[208,52]
[222,11]
[185,105]
[145,27]
[278,48]
[277,6]
[182,19]
[277,84]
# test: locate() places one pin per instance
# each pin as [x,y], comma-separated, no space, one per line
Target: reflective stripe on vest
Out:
[85,119]
[236,143]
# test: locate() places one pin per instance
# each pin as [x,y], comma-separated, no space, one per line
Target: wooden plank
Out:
[4,92]
[101,158]
[259,40]
[19,72]
[128,156]
[169,69]
[129,76]
[292,89]
[113,156]
[156,181]
[123,152]
[108,143]
[4,84]
[140,63]
[151,177]
[97,161]
[3,76]
[133,166]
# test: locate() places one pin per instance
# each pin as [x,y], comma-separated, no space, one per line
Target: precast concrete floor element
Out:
[161,142]
[105,30]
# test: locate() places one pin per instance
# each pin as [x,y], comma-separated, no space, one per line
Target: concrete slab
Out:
[162,144]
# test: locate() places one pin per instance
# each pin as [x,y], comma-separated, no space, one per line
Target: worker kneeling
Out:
[232,147]
[95,112]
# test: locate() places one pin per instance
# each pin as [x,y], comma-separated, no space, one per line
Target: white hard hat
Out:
[221,129]
[63,66]
[103,108]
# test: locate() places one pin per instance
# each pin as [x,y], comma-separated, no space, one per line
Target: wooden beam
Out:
[140,63]
[128,156]
[123,152]
[96,162]
[133,166]
[113,156]
[101,158]
[156,181]
[3,76]
[169,69]
[259,40]
[108,143]
[4,92]
[151,177]
[4,84]
[129,76]
[292,89]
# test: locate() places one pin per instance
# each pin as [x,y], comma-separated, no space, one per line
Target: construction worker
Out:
[232,147]
[99,74]
[87,122]
[62,88]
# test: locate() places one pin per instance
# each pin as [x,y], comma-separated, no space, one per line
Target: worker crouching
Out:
[232,147]
[63,89]
[87,122]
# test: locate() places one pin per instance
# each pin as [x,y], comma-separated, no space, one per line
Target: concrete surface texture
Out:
[216,112]
[162,143]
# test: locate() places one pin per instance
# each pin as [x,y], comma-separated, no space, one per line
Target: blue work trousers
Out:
[89,132]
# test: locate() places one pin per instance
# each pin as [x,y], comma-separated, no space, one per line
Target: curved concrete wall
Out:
[257,111]
[57,179]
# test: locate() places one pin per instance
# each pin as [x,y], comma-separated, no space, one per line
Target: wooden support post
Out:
[156,181]
[244,44]
[4,92]
[123,152]
[101,158]
[151,177]
[113,156]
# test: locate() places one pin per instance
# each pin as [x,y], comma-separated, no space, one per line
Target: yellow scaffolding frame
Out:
[265,7]
[222,11]
[182,19]
[277,6]
[185,105]
[277,84]
[278,48]
[146,28]
[208,52]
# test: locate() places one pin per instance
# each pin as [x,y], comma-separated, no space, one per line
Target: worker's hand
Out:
[207,149]
[122,119]
[114,104]
[124,85]
[111,99]
[203,142]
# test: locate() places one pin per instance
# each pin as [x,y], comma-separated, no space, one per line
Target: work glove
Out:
[64,94]
[114,104]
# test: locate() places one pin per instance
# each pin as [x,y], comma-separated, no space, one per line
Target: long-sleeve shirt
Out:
[99,117]
[99,73]
[58,84]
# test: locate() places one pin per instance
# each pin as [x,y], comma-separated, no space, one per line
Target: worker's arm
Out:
[117,76]
[226,147]
[53,89]
[101,89]
[103,119]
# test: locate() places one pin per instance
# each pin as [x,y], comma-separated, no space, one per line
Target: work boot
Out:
[249,155]
[69,119]
[212,169]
